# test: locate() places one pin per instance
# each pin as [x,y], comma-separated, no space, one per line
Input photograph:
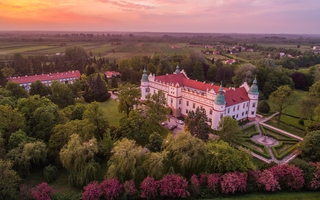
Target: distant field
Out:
[288,46]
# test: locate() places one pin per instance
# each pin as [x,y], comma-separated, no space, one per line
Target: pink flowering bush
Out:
[288,176]
[232,182]
[315,182]
[213,182]
[252,181]
[92,191]
[149,188]
[195,185]
[110,188]
[268,182]
[42,192]
[173,186]
[129,188]
[203,180]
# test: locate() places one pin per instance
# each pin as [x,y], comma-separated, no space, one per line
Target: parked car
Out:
[163,123]
[172,127]
[179,121]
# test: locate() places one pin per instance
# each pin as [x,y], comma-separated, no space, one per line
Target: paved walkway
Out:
[261,121]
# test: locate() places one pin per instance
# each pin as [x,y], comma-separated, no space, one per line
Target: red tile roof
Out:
[235,96]
[182,80]
[109,74]
[232,96]
[45,77]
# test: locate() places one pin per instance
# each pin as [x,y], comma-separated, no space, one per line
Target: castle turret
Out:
[253,95]
[144,85]
[219,107]
[177,69]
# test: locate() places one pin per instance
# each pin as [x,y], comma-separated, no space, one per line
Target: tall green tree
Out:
[95,116]
[280,99]
[10,181]
[244,73]
[156,108]
[129,96]
[62,95]
[222,158]
[114,83]
[28,155]
[187,153]
[17,90]
[39,88]
[212,73]
[198,73]
[126,161]
[78,158]
[309,147]
[197,124]
[156,164]
[96,89]
[229,130]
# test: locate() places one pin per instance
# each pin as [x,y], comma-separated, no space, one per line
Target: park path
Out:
[261,121]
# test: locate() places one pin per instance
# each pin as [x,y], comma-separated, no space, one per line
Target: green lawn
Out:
[110,109]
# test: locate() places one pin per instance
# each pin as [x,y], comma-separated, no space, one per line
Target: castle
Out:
[184,95]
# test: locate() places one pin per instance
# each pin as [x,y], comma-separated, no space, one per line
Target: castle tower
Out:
[177,70]
[219,107]
[144,85]
[253,95]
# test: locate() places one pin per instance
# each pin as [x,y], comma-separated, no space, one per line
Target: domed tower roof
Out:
[145,76]
[177,69]
[254,88]
[220,100]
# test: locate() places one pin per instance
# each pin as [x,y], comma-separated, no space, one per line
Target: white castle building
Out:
[184,95]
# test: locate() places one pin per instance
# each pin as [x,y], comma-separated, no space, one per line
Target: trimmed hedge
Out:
[283,154]
[264,154]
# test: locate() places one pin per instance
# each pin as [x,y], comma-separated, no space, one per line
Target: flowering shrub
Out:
[173,186]
[42,192]
[129,188]
[315,182]
[268,182]
[110,188]
[289,176]
[195,185]
[252,180]
[149,188]
[213,181]
[232,182]
[91,191]
[203,179]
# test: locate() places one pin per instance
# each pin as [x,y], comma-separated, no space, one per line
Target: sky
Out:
[194,16]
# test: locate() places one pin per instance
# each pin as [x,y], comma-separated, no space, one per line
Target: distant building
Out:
[281,54]
[47,79]
[230,61]
[110,74]
[184,95]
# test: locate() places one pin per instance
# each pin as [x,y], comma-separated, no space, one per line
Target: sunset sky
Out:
[209,16]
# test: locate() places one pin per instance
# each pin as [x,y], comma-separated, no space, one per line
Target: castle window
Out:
[228,110]
[171,100]
[187,103]
[234,108]
[238,107]
[242,113]
[221,115]
[180,101]
[194,105]
[237,116]
[253,105]
[252,113]
[210,111]
[244,105]
[187,111]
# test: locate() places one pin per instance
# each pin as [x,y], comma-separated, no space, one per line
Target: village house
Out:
[110,74]
[47,79]
[184,95]
[230,61]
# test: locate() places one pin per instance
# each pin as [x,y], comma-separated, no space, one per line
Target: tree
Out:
[62,95]
[275,79]
[187,153]
[95,116]
[73,112]
[17,90]
[197,124]
[28,154]
[156,107]
[114,83]
[222,158]
[212,73]
[96,89]
[11,120]
[128,98]
[198,73]
[154,142]
[10,180]
[280,99]
[39,88]
[17,137]
[126,161]
[263,107]
[309,148]
[78,158]
[244,73]
[156,164]
[229,130]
